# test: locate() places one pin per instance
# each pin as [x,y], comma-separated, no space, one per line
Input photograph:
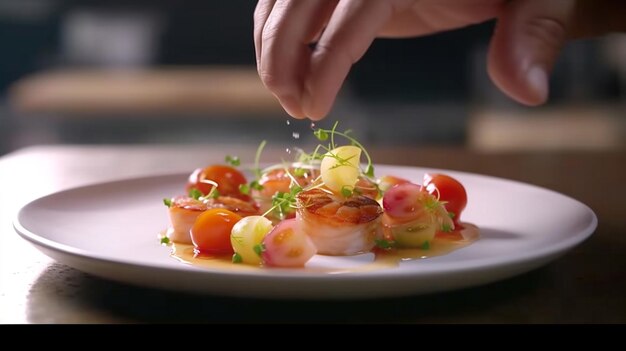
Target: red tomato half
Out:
[211,231]
[449,190]
[228,180]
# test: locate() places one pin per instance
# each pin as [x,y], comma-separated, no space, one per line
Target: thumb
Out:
[528,38]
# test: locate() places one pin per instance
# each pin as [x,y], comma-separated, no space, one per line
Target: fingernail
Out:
[537,78]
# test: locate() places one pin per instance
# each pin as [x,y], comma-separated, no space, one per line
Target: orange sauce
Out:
[442,244]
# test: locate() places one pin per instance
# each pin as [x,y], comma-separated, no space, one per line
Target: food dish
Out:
[292,214]
[110,229]
[324,202]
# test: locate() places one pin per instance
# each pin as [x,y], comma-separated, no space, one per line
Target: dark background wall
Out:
[438,78]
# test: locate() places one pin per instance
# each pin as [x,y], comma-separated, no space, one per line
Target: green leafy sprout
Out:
[259,249]
[325,134]
[347,191]
[194,193]
[256,170]
[283,203]
[385,244]
[232,160]
[257,158]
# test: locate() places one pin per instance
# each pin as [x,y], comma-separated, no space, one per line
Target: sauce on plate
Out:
[443,244]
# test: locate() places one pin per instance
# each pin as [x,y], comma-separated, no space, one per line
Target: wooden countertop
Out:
[100,92]
[588,284]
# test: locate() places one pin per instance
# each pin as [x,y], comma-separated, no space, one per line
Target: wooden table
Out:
[586,285]
[143,92]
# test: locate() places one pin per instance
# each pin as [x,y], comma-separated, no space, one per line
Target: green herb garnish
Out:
[195,193]
[167,202]
[323,134]
[384,243]
[259,249]
[426,245]
[346,191]
[282,203]
[165,240]
[244,189]
[256,185]
[294,190]
[213,194]
[257,158]
[237,258]
[233,160]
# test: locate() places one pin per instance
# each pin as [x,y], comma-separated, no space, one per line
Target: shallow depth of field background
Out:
[139,71]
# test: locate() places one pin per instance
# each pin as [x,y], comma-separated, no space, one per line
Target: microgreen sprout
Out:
[426,245]
[257,158]
[324,134]
[347,191]
[244,189]
[257,171]
[195,193]
[384,243]
[255,185]
[165,240]
[299,172]
[282,203]
[258,249]
[232,160]
[433,205]
[237,258]
[321,134]
[213,193]
[167,202]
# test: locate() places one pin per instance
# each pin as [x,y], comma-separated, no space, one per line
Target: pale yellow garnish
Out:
[340,168]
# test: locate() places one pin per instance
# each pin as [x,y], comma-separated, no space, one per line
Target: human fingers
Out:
[352,27]
[284,48]
[528,38]
[261,13]
[433,16]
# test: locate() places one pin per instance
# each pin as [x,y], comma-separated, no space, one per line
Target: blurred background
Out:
[176,71]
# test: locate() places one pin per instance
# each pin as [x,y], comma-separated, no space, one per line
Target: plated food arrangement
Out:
[325,202]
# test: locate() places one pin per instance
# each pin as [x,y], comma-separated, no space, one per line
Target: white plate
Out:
[110,230]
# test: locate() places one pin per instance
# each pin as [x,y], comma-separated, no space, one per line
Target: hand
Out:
[527,40]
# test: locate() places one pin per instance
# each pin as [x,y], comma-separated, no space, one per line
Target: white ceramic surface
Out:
[110,230]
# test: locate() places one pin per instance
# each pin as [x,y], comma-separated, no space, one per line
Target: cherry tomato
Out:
[211,231]
[449,190]
[279,181]
[228,180]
